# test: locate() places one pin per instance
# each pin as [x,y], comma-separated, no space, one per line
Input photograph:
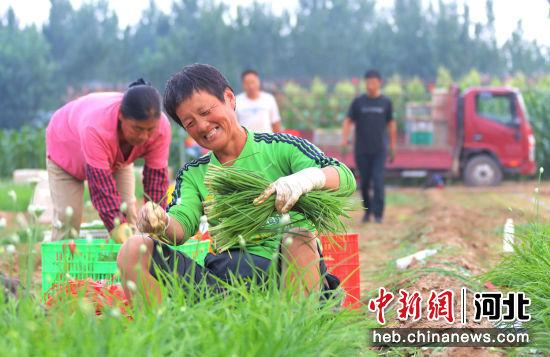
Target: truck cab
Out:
[494,135]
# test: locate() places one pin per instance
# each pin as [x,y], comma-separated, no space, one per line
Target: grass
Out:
[23,194]
[240,323]
[527,269]
[401,199]
[244,321]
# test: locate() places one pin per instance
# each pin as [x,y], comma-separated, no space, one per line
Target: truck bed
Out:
[419,158]
[406,158]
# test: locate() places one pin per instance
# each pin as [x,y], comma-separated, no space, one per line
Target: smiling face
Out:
[210,122]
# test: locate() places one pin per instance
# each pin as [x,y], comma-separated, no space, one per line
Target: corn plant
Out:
[538,106]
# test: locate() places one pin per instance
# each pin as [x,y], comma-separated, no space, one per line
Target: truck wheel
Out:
[482,170]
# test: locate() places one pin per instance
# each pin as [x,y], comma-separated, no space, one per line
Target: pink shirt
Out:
[84,131]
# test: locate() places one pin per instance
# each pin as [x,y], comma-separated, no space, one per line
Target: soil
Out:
[464,224]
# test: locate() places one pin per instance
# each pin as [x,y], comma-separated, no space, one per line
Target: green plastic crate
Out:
[422,138]
[95,259]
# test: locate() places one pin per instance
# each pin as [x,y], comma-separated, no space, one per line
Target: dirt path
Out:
[463,224]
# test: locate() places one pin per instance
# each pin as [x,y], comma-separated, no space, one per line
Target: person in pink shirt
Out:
[97,138]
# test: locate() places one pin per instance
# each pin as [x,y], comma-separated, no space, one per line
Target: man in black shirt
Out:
[371,114]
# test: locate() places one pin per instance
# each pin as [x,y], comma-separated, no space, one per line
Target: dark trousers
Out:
[371,168]
[222,266]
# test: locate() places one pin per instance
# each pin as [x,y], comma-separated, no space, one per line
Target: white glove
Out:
[152,218]
[290,188]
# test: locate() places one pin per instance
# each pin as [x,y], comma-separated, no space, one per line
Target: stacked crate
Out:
[419,124]
[426,123]
[440,112]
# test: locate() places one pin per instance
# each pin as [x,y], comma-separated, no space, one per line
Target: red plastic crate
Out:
[342,260]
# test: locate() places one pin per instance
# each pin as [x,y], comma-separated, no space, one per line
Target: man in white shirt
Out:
[256,109]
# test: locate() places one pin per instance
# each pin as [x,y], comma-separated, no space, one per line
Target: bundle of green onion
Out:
[235,220]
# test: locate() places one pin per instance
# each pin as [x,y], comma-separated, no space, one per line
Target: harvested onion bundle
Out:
[237,221]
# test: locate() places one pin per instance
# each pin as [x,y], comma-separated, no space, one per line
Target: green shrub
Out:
[23,148]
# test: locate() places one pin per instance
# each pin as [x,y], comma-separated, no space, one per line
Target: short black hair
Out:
[141,101]
[248,71]
[193,78]
[373,73]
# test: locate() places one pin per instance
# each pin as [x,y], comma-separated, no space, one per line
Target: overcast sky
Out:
[533,13]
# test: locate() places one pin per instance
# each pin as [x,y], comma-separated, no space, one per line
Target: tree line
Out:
[83,49]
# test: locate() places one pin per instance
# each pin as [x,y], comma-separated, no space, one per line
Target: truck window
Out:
[497,107]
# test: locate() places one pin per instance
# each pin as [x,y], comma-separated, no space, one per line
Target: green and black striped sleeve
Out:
[298,154]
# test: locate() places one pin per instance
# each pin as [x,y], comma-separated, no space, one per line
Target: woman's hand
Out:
[152,219]
[289,188]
